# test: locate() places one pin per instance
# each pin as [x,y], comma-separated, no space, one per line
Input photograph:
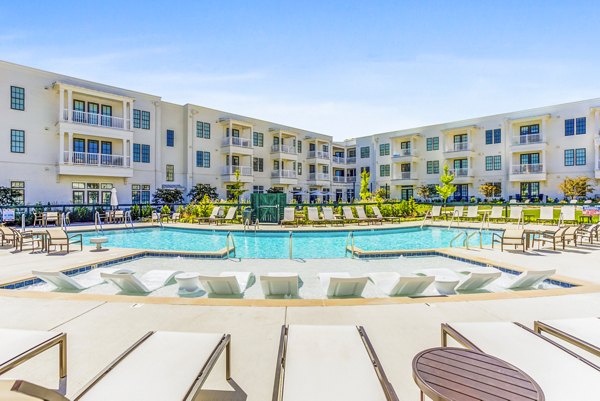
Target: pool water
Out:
[275,245]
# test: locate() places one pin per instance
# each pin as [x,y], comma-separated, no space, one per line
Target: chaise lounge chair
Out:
[342,284]
[435,212]
[457,212]
[583,333]
[530,278]
[229,217]
[567,213]
[472,213]
[509,237]
[226,283]
[148,282]
[469,280]
[496,213]
[160,366]
[396,285]
[279,284]
[212,218]
[546,214]
[313,216]
[319,363]
[378,214]
[515,213]
[79,282]
[289,217]
[330,217]
[360,212]
[349,215]
[561,374]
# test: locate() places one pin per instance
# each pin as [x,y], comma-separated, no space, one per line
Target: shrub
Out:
[147,211]
[165,210]
[135,212]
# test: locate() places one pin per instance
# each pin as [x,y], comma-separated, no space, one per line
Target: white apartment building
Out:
[68,140]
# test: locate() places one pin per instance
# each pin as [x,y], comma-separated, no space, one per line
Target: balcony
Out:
[317,154]
[527,172]
[287,152]
[228,173]
[344,180]
[462,175]
[404,155]
[405,178]
[459,149]
[94,124]
[238,144]
[351,160]
[528,142]
[101,120]
[95,164]
[323,178]
[284,176]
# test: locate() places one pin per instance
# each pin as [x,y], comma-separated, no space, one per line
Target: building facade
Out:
[68,140]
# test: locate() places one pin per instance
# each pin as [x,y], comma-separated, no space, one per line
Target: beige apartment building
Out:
[68,140]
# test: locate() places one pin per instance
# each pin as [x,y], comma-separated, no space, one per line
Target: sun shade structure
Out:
[325,363]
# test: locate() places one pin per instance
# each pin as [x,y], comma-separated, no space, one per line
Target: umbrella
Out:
[328,194]
[114,201]
[300,193]
[316,193]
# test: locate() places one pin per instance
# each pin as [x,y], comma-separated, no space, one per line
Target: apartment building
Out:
[68,140]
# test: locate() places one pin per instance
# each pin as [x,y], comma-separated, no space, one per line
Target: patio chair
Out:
[7,235]
[458,211]
[38,219]
[435,212]
[23,238]
[396,285]
[51,217]
[155,217]
[342,284]
[378,214]
[589,231]
[175,217]
[349,215]
[227,283]
[229,217]
[160,366]
[530,279]
[509,237]
[567,213]
[554,236]
[148,282]
[59,237]
[583,333]
[212,218]
[360,212]
[289,217]
[496,213]
[571,234]
[329,363]
[79,282]
[313,217]
[515,213]
[531,353]
[330,217]
[546,214]
[118,216]
[472,213]
[279,284]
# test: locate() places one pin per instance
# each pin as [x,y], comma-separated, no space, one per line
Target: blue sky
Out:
[343,68]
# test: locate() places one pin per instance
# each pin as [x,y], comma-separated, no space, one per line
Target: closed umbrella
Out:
[114,201]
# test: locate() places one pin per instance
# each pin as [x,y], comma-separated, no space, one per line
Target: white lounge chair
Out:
[530,278]
[394,284]
[472,213]
[515,213]
[378,214]
[148,282]
[583,333]
[78,282]
[342,284]
[496,213]
[458,212]
[362,215]
[313,216]
[160,366]
[560,375]
[349,215]
[226,283]
[317,363]
[279,284]
[213,216]
[435,212]
[330,218]
[470,280]
[546,214]
[289,217]
[229,217]
[567,213]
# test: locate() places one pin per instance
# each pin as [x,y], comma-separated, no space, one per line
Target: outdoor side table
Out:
[99,241]
[188,282]
[457,374]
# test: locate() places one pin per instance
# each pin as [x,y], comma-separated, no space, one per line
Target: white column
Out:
[124,119]
[61,147]
[124,152]
[70,105]
[70,149]
[597,122]
[130,154]
[61,104]
[131,117]
[157,144]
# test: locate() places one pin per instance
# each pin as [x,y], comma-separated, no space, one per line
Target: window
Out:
[569,127]
[365,152]
[299,168]
[170,138]
[276,165]
[433,143]
[498,188]
[326,148]
[137,152]
[202,130]
[493,136]
[145,120]
[17,98]
[384,170]
[569,157]
[145,153]
[258,164]
[351,153]
[258,189]
[580,159]
[258,139]
[299,146]
[202,159]
[78,197]
[530,189]
[170,172]
[17,141]
[384,149]
[106,118]
[18,189]
[433,167]
[580,125]
[137,118]
[78,145]
[493,163]
[140,193]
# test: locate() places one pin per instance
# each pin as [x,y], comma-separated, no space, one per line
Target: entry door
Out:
[106,155]
[93,113]
[106,118]
[530,189]
[530,158]
[93,150]
[406,193]
[462,192]
[78,111]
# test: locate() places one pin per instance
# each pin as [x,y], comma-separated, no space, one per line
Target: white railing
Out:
[461,172]
[95,159]
[403,153]
[318,177]
[459,147]
[528,139]
[82,117]
[342,180]
[244,170]
[527,168]
[283,174]
[350,160]
[284,149]
[318,154]
[339,159]
[405,175]
[237,141]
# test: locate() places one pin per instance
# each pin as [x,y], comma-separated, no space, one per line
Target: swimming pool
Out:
[275,245]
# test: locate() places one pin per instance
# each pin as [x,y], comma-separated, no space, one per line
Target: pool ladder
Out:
[291,244]
[247,224]
[128,219]
[98,222]
[350,241]
[467,238]
[230,244]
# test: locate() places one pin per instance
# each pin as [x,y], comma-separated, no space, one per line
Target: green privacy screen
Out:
[268,208]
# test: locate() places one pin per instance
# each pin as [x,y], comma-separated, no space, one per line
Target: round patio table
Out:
[459,374]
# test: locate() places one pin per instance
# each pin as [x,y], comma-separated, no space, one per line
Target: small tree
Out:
[7,196]
[199,191]
[426,191]
[168,195]
[576,187]
[447,188]
[237,189]
[489,190]
[364,185]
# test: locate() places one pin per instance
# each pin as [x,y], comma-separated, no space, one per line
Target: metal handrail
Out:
[471,235]
[229,249]
[350,239]
[291,244]
[128,218]
[452,219]
[98,222]
[484,219]
[457,236]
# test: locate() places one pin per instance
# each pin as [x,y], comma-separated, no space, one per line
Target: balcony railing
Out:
[95,159]
[528,139]
[339,159]
[404,153]
[284,174]
[318,177]
[342,180]
[237,141]
[284,149]
[351,159]
[244,170]
[82,117]
[527,169]
[405,175]
[318,154]
[459,147]
[461,172]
